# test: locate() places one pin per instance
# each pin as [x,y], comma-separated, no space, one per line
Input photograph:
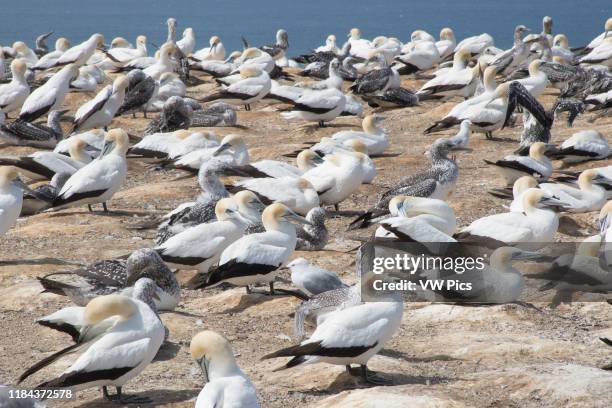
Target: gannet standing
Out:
[11,198]
[14,94]
[163,64]
[253,86]
[317,106]
[79,54]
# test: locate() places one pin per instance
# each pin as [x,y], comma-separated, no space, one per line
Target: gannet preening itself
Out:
[50,96]
[372,136]
[100,111]
[530,229]
[582,146]
[253,86]
[536,164]
[138,93]
[201,246]
[116,355]
[49,59]
[296,193]
[117,276]
[317,106]
[22,133]
[509,60]
[11,197]
[232,150]
[215,51]
[99,180]
[217,114]
[79,54]
[14,94]
[279,49]
[587,197]
[255,258]
[349,336]
[176,114]
[45,165]
[226,385]
[311,279]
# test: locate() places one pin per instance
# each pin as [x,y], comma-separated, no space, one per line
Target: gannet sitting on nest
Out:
[116,355]
[530,229]
[255,258]
[232,150]
[14,94]
[138,93]
[305,160]
[460,80]
[588,197]
[99,180]
[253,86]
[311,279]
[11,197]
[226,384]
[582,146]
[536,164]
[372,136]
[176,114]
[600,55]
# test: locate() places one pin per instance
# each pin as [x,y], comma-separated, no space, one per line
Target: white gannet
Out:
[255,258]
[600,55]
[193,142]
[311,279]
[460,80]
[253,85]
[93,138]
[187,43]
[520,186]
[25,53]
[349,336]
[296,193]
[14,94]
[531,229]
[232,149]
[373,137]
[475,44]
[117,276]
[317,106]
[160,144]
[254,57]
[215,51]
[278,50]
[446,45]
[587,197]
[561,50]
[169,85]
[48,60]
[418,56]
[79,54]
[163,64]
[360,47]
[216,68]
[11,197]
[582,146]
[601,37]
[536,164]
[99,180]
[100,111]
[50,96]
[537,80]
[201,246]
[114,356]
[509,60]
[122,55]
[547,24]
[84,82]
[330,45]
[44,165]
[305,160]
[226,385]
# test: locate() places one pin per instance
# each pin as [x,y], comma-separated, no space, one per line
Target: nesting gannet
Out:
[117,276]
[99,180]
[532,228]
[159,144]
[587,197]
[305,160]
[122,55]
[176,113]
[313,236]
[360,47]
[22,133]
[582,146]
[116,355]
[437,181]
[11,197]
[255,258]
[200,247]
[232,149]
[48,60]
[317,106]
[256,58]
[50,96]
[349,336]
[193,141]
[217,114]
[79,54]
[372,136]
[216,68]
[600,38]
[536,164]
[226,385]
[14,94]
[138,93]
[163,64]
[600,55]
[279,49]
[561,50]
[519,187]
[296,193]
[252,87]
[94,140]
[599,101]
[418,56]
[100,111]
[168,85]
[44,165]
[215,51]
[311,279]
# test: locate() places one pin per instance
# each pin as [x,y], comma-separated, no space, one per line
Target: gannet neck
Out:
[103,307]
[523,184]
[53,122]
[531,198]
[210,183]
[488,80]
[585,180]
[534,67]
[304,160]
[215,352]
[500,260]
[274,218]
[7,175]
[536,151]
[18,69]
[369,126]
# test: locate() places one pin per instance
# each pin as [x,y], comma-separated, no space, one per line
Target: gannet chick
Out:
[14,94]
[373,136]
[201,246]
[115,356]
[100,111]
[11,197]
[139,91]
[313,236]
[530,229]
[255,258]
[226,385]
[253,86]
[536,164]
[44,195]
[349,336]
[311,279]
[176,114]
[582,146]
[99,180]
[217,114]
[588,197]
[117,276]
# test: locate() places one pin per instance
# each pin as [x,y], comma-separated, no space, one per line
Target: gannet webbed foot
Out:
[371,377]
[119,398]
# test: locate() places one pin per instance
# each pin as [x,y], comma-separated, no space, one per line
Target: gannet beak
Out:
[84,330]
[203,363]
[318,160]
[298,218]
[108,147]
[221,149]
[19,183]
[155,295]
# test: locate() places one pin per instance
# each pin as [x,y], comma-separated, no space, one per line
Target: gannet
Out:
[114,356]
[218,69]
[176,114]
[317,106]
[93,138]
[100,111]
[217,114]
[215,51]
[79,54]
[587,197]
[510,59]
[201,246]
[22,133]
[232,150]
[226,385]
[255,258]
[313,236]
[256,58]
[600,55]
[11,197]
[117,276]
[296,193]
[25,53]
[45,165]
[446,45]
[84,82]
[600,38]
[48,60]
[163,64]
[252,87]
[122,55]
[519,187]
[193,141]
[359,47]
[372,136]
[330,45]
[14,94]
[418,56]
[530,229]
[311,279]
[537,80]
[536,164]
[99,180]
[376,80]
[50,96]
[41,44]
[599,101]
[460,80]
[349,336]
[169,85]
[159,145]
[391,98]
[582,146]
[187,43]
[43,195]
[561,50]
[476,44]
[138,93]
[305,160]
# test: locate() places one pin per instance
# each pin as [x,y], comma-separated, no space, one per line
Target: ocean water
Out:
[308,22]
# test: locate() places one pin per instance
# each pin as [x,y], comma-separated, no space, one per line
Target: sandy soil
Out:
[443,356]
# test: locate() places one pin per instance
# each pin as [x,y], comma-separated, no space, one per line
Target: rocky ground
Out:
[443,355]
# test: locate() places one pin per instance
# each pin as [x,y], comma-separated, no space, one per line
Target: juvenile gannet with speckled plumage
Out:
[226,386]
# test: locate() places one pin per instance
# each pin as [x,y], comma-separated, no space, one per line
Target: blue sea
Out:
[308,22]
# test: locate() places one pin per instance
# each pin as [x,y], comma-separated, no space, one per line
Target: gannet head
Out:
[18,67]
[331,40]
[249,71]
[547,23]
[117,141]
[447,34]
[235,55]
[120,83]
[357,146]
[282,37]
[214,40]
[308,159]
[418,35]
[523,184]
[276,214]
[214,355]
[354,34]
[251,53]
[98,39]
[334,65]
[76,150]
[536,150]
[20,47]
[7,175]
[587,177]
[534,67]
[249,205]
[502,257]
[103,307]
[521,29]
[378,41]
[370,122]
[463,55]
[534,196]
[561,40]
[608,26]
[188,32]
[229,142]
[120,42]
[62,44]
[605,217]
[141,40]
[226,209]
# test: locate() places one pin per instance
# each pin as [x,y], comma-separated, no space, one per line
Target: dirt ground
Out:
[443,356]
